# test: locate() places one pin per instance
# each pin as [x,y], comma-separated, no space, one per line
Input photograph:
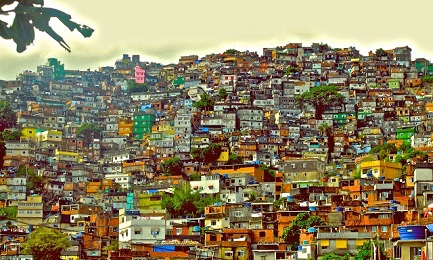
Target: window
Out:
[137,231]
[241,253]
[384,228]
[397,252]
[373,229]
[178,231]
[154,231]
[228,253]
[212,237]
[384,216]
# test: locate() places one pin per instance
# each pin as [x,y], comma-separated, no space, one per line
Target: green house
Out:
[393,83]
[363,114]
[58,69]
[339,119]
[143,122]
[130,200]
[152,201]
[424,66]
[405,132]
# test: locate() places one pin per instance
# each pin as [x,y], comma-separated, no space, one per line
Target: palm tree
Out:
[327,130]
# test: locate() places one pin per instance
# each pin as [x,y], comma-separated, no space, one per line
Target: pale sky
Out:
[162,31]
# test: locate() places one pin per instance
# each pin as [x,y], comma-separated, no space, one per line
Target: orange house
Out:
[125,126]
[263,236]
[233,169]
[284,219]
[101,229]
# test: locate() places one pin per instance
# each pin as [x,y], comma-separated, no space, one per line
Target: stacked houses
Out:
[274,162]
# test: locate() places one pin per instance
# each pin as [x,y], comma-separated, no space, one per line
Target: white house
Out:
[136,229]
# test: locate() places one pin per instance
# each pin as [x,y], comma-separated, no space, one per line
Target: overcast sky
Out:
[162,31]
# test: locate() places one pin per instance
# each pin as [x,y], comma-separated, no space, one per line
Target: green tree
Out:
[234,158]
[7,135]
[114,245]
[9,213]
[134,87]
[206,102]
[185,201]
[231,52]
[35,182]
[172,166]
[222,94]
[290,70]
[321,98]
[381,52]
[428,79]
[292,233]
[45,244]
[31,14]
[269,173]
[207,155]
[384,150]
[88,131]
[327,130]
[8,117]
[194,176]
[364,252]
[408,153]
[332,256]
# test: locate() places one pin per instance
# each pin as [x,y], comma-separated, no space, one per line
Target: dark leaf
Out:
[24,33]
[41,22]
[32,2]
[5,31]
[6,2]
[83,29]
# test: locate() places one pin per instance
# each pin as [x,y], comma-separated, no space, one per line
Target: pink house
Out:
[140,75]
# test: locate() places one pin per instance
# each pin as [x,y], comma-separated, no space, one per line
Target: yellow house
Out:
[253,171]
[409,249]
[29,132]
[70,257]
[150,201]
[125,126]
[165,128]
[49,135]
[387,170]
[67,156]
[224,156]
[429,107]
[312,155]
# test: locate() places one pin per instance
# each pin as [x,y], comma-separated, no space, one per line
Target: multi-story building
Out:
[30,212]
[134,228]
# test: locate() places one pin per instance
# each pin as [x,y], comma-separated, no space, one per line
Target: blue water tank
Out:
[411,232]
[311,230]
[340,209]
[247,204]
[299,248]
[312,208]
[196,229]
[430,227]
[290,198]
